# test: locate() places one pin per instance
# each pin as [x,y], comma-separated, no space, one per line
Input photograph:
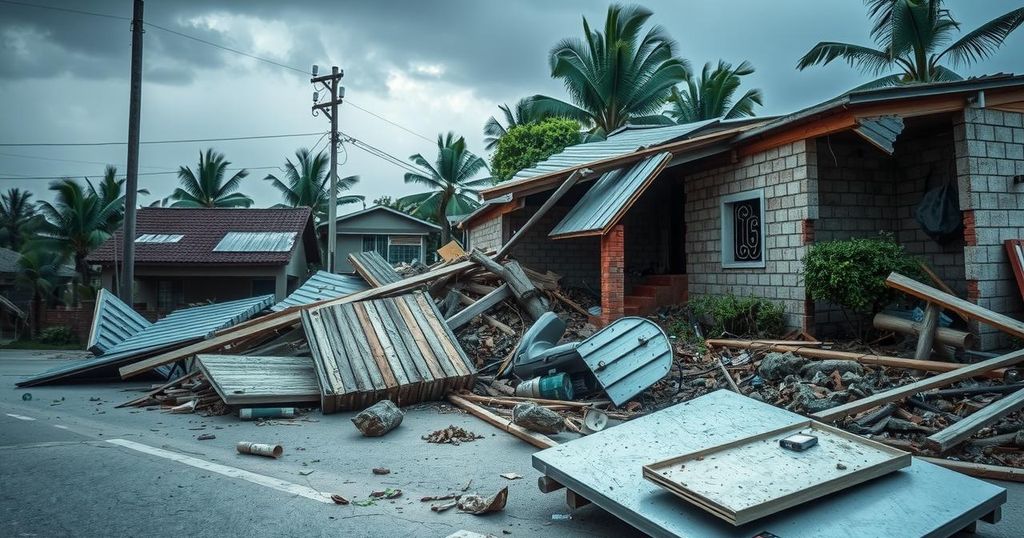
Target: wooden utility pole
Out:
[332,83]
[132,183]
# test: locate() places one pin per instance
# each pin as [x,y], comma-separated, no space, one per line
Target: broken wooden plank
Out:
[941,284]
[260,380]
[971,310]
[960,431]
[451,251]
[286,318]
[158,390]
[374,268]
[568,184]
[926,335]
[570,303]
[536,439]
[910,389]
[979,470]
[524,291]
[485,303]
[863,358]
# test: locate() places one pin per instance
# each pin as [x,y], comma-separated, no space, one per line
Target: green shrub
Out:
[528,144]
[740,316]
[851,273]
[57,335]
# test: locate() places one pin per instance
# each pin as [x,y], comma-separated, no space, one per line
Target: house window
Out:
[169,294]
[404,249]
[743,230]
[378,243]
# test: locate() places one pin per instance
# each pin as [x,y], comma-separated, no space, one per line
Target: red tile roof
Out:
[203,228]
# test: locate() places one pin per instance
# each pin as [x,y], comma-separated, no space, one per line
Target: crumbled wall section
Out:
[486,234]
[788,174]
[989,152]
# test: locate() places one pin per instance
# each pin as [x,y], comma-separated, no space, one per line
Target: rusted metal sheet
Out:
[398,348]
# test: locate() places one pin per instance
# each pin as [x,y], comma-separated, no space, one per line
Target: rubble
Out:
[536,418]
[378,419]
[451,435]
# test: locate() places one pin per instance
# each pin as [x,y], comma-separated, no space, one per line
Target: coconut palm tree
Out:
[911,36]
[711,96]
[17,217]
[39,270]
[521,114]
[76,223]
[615,77]
[110,189]
[205,187]
[452,189]
[307,184]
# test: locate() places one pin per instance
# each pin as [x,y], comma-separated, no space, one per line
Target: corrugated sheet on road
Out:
[610,197]
[113,322]
[178,327]
[627,356]
[322,285]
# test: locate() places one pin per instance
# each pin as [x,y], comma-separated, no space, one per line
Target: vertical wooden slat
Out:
[403,341]
[355,331]
[394,360]
[455,354]
[432,337]
[352,375]
[377,351]
[436,374]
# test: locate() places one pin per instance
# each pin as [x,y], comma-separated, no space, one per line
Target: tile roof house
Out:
[723,207]
[186,256]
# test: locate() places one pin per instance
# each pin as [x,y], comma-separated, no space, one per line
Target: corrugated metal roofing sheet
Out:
[177,327]
[322,285]
[374,268]
[624,142]
[113,322]
[256,242]
[627,356]
[609,197]
[881,131]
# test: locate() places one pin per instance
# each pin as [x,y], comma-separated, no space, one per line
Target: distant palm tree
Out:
[206,187]
[616,77]
[308,184]
[453,191]
[110,189]
[39,270]
[521,114]
[76,222]
[910,35]
[17,216]
[711,96]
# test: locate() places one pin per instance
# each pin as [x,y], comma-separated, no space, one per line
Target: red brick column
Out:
[613,278]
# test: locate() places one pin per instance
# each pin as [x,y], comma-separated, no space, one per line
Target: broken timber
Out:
[910,389]
[286,318]
[536,439]
[395,348]
[260,380]
[962,430]
[956,304]
[374,268]
[485,303]
[519,284]
[568,184]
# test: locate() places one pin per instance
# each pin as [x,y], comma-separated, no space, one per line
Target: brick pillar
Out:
[613,278]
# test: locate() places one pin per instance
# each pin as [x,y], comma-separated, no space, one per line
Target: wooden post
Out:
[926,336]
[522,288]
[544,208]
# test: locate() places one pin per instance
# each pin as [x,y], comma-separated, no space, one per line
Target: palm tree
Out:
[711,96]
[39,272]
[910,36]
[76,222]
[453,191]
[617,77]
[17,216]
[110,189]
[206,186]
[307,185]
[520,115]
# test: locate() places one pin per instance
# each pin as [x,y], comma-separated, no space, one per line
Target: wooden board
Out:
[452,251]
[961,430]
[1015,251]
[374,268]
[259,380]
[969,309]
[754,477]
[396,348]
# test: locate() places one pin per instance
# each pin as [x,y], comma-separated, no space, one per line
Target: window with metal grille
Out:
[403,248]
[378,243]
[743,230]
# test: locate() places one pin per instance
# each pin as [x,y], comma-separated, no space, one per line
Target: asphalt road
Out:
[72,465]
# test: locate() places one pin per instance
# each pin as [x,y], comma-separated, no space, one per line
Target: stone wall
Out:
[788,174]
[989,153]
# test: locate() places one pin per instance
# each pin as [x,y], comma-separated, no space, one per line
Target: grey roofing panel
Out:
[608,196]
[627,356]
[187,324]
[256,242]
[245,380]
[113,322]
[374,268]
[881,131]
[322,285]
[627,141]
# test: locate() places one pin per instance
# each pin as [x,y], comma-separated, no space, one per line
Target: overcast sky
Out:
[431,66]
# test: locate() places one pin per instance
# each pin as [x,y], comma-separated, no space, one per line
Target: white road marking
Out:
[61,426]
[19,417]
[232,472]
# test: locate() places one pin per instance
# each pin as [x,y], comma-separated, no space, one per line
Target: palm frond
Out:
[864,58]
[984,40]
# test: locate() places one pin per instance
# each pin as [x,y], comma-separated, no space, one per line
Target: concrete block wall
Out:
[989,153]
[789,176]
[577,260]
[486,234]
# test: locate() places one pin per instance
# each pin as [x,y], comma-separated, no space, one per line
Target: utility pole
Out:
[132,182]
[332,83]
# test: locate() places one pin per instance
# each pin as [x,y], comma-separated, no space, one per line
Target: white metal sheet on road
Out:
[232,472]
[19,417]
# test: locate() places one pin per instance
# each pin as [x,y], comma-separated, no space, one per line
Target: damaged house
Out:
[721,207]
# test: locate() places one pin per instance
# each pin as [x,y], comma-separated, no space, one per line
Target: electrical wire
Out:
[382,118]
[4,176]
[181,141]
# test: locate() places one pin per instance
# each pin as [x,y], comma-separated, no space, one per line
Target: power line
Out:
[229,49]
[3,175]
[183,141]
[78,161]
[382,118]
[66,10]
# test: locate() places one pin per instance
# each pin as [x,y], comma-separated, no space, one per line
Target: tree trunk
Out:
[442,219]
[37,313]
[82,269]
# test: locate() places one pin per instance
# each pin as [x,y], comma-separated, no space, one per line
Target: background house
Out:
[395,235]
[186,256]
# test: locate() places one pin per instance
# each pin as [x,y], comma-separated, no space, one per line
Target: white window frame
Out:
[727,246]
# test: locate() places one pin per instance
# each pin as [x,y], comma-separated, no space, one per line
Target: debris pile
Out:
[452,435]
